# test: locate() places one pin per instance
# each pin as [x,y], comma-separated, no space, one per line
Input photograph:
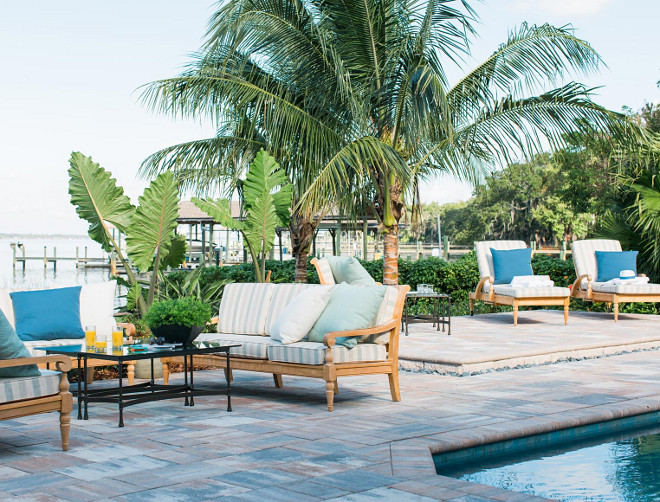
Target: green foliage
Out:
[186,311]
[265,208]
[188,283]
[149,228]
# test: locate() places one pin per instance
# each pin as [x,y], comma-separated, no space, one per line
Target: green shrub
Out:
[184,311]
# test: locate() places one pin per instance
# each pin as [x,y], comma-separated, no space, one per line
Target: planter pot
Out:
[143,368]
[175,333]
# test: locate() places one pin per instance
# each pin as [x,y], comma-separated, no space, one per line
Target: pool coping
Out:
[412,459]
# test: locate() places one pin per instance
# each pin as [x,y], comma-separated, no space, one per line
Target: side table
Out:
[440,311]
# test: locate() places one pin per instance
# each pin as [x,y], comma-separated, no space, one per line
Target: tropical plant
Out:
[192,284]
[186,311]
[151,244]
[354,99]
[265,208]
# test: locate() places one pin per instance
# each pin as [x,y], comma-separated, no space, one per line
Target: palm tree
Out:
[353,100]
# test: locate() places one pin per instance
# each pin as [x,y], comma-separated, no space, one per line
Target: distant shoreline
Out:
[41,236]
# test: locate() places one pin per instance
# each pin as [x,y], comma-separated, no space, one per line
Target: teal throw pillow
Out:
[48,314]
[350,307]
[11,347]
[510,263]
[611,263]
[348,269]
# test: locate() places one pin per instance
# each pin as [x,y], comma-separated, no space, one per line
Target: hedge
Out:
[458,278]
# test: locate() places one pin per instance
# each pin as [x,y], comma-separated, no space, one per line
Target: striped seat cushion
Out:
[485,257]
[584,256]
[326,276]
[253,346]
[244,308]
[15,389]
[627,289]
[313,353]
[532,292]
[282,296]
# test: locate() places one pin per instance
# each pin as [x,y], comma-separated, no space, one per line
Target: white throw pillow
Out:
[300,315]
[97,306]
[7,306]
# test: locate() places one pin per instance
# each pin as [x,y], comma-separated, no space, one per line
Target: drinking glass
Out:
[90,336]
[117,338]
[101,342]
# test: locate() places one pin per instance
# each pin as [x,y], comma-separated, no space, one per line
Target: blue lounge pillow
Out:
[48,314]
[510,263]
[11,347]
[348,269]
[350,307]
[611,263]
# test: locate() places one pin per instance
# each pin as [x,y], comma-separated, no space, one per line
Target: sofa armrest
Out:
[329,338]
[61,362]
[480,287]
[214,320]
[129,328]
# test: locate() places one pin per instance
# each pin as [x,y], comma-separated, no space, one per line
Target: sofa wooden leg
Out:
[615,307]
[278,380]
[394,386]
[515,314]
[65,427]
[330,393]
[229,375]
[471,307]
[565,313]
[166,373]
[130,373]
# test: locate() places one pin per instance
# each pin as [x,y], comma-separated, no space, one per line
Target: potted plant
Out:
[178,320]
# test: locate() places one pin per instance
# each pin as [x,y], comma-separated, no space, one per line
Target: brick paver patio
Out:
[283,444]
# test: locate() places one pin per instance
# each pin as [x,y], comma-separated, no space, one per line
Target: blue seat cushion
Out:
[510,263]
[48,314]
[611,263]
[11,347]
[350,308]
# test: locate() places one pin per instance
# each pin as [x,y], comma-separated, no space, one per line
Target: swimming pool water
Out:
[626,468]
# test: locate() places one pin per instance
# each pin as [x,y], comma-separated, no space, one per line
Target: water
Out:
[625,469]
[34,276]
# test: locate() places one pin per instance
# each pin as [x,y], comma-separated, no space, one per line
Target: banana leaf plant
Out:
[265,208]
[151,243]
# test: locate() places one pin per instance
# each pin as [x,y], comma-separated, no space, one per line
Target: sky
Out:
[71,73]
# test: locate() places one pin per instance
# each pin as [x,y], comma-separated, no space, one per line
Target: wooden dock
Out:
[82,261]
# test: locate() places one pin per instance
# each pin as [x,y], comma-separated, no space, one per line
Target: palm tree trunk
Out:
[302,234]
[391,254]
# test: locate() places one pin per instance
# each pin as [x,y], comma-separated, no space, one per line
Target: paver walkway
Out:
[282,444]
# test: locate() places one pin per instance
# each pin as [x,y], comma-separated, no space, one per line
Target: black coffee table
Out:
[143,392]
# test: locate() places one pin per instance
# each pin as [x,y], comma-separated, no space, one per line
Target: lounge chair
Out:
[587,288]
[505,294]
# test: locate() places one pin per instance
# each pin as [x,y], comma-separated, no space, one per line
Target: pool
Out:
[610,461]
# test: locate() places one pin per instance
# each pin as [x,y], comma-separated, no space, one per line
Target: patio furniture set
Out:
[348,325]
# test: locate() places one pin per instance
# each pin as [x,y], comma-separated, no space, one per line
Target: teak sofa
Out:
[23,396]
[247,313]
[586,269]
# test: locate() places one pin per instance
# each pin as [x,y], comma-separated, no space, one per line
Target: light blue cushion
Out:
[11,347]
[348,269]
[611,263]
[350,307]
[510,263]
[48,314]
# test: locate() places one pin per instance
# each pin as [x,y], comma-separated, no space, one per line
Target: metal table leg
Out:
[192,394]
[185,376]
[86,417]
[228,383]
[121,390]
[80,377]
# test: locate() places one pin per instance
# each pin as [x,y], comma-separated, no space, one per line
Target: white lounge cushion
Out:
[32,345]
[313,353]
[282,296]
[584,256]
[7,307]
[97,306]
[253,346]
[326,271]
[626,289]
[15,389]
[506,290]
[300,315]
[485,257]
[244,308]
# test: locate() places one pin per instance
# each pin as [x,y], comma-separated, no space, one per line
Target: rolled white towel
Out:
[636,281]
[532,281]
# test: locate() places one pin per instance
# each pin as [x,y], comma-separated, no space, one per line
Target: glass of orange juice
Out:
[101,342]
[117,338]
[90,337]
